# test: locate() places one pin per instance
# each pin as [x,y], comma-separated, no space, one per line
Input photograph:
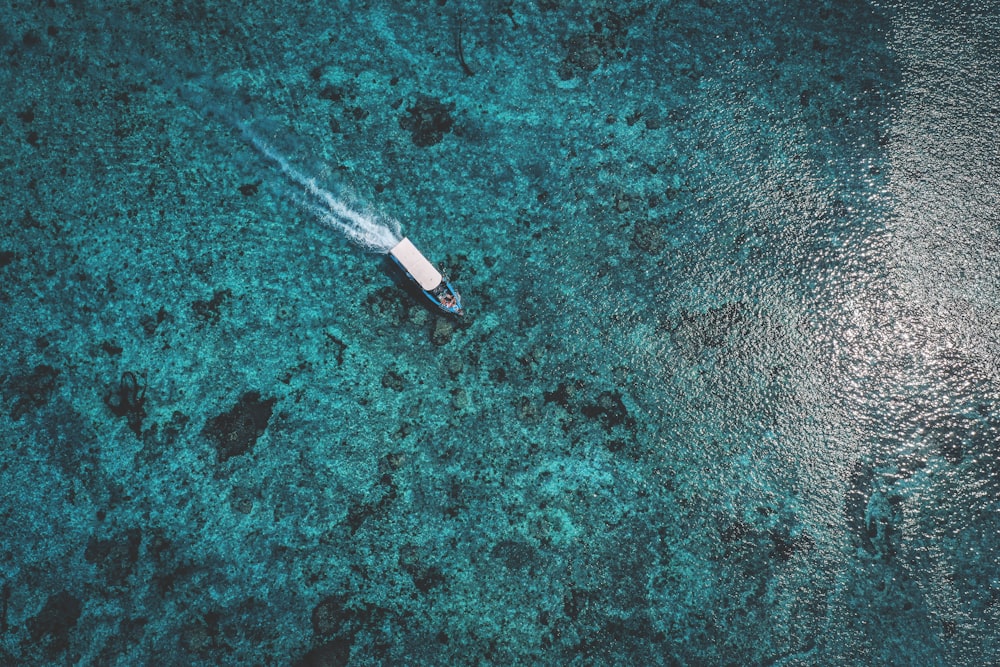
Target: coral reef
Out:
[725,391]
[235,432]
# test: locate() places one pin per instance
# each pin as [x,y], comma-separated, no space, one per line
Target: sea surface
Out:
[727,388]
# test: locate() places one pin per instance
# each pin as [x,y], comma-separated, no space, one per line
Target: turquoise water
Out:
[726,392]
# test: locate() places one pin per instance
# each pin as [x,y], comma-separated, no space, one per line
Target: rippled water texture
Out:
[726,392]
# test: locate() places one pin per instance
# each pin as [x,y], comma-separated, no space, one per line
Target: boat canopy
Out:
[416,264]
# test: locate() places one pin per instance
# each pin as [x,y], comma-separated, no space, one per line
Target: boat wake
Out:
[370,231]
[202,93]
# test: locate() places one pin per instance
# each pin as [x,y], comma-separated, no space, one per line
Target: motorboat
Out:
[427,279]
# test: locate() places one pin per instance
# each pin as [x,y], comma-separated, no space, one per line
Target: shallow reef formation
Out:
[235,432]
[427,120]
[30,390]
[707,406]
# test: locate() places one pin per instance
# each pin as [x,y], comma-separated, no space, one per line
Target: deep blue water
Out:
[726,392]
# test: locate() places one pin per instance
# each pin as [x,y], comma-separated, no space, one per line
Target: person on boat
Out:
[448,300]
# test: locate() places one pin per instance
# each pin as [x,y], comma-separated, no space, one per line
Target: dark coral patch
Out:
[336,621]
[425,575]
[115,556]
[392,379]
[128,400]
[208,311]
[330,616]
[31,390]
[235,432]
[249,189]
[112,348]
[514,554]
[563,394]
[376,506]
[583,55]
[54,622]
[150,322]
[332,653]
[331,92]
[428,121]
[784,546]
[609,409]
[31,39]
[585,52]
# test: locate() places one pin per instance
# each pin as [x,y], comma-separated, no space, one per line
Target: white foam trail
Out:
[371,232]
